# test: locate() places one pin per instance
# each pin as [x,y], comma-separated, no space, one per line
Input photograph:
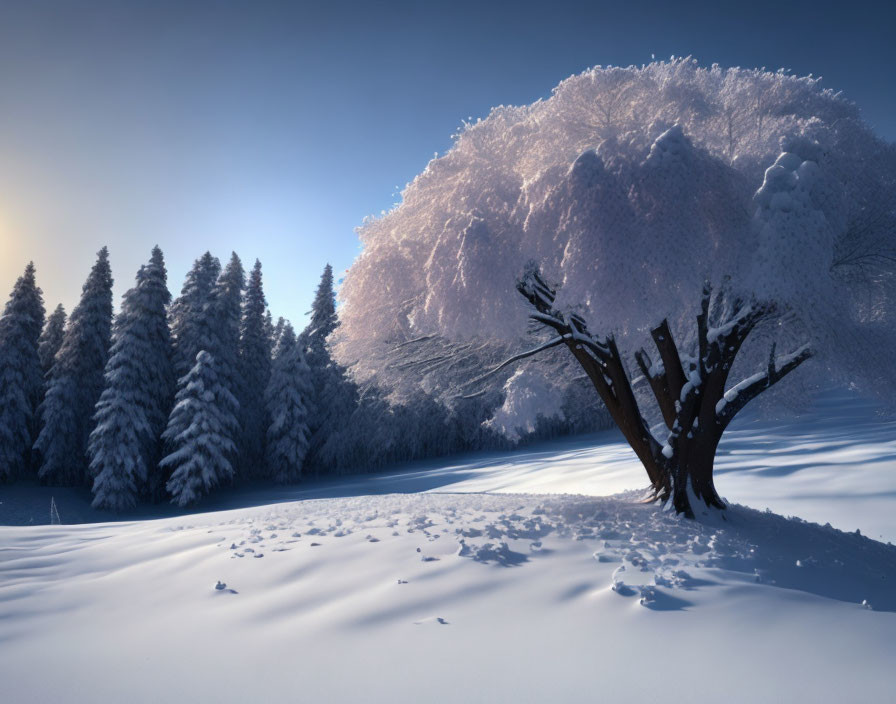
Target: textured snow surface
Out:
[457,588]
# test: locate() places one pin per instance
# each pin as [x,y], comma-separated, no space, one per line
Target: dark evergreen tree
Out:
[21,376]
[269,328]
[190,314]
[365,437]
[287,397]
[277,331]
[334,397]
[255,365]
[124,448]
[285,338]
[225,318]
[334,400]
[323,316]
[200,433]
[51,338]
[76,382]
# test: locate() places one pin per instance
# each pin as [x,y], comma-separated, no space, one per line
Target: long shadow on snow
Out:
[794,554]
[27,503]
[752,546]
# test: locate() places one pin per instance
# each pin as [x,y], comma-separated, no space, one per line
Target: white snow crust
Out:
[481,579]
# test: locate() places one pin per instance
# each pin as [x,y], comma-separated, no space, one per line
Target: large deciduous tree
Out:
[631,188]
[692,393]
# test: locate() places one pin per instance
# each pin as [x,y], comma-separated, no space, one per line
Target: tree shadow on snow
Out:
[794,554]
[27,502]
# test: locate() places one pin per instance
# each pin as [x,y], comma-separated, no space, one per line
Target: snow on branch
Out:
[553,342]
[741,394]
[422,338]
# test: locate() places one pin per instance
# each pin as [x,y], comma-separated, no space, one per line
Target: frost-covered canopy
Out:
[630,187]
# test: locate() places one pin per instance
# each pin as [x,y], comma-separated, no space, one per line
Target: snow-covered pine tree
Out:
[51,338]
[334,397]
[225,316]
[277,331]
[269,328]
[21,377]
[255,366]
[286,397]
[285,338]
[361,433]
[227,303]
[323,314]
[191,328]
[200,433]
[124,448]
[206,317]
[76,381]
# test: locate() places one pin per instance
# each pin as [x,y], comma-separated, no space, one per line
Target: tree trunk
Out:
[691,397]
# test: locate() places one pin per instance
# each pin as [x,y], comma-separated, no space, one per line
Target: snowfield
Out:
[483,579]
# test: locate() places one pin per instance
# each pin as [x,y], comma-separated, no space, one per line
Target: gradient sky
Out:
[274,128]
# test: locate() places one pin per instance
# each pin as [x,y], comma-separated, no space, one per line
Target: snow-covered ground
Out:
[480,579]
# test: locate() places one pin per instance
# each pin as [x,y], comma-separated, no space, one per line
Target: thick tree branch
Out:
[702,332]
[665,345]
[740,395]
[659,385]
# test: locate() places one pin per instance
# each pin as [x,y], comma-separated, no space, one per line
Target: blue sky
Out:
[274,128]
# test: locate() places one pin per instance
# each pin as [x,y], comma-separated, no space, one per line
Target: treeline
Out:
[175,398]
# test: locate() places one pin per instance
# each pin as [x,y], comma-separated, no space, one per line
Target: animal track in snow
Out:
[651,552]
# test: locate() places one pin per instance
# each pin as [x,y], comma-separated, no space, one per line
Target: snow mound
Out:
[375,577]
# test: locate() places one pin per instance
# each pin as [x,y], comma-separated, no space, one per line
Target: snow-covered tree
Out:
[277,332]
[270,329]
[333,402]
[631,188]
[124,448]
[51,338]
[21,376]
[206,317]
[286,397]
[76,382]
[285,339]
[579,191]
[200,433]
[255,366]
[323,314]
[334,397]
[227,301]
[190,317]
[690,391]
[225,317]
